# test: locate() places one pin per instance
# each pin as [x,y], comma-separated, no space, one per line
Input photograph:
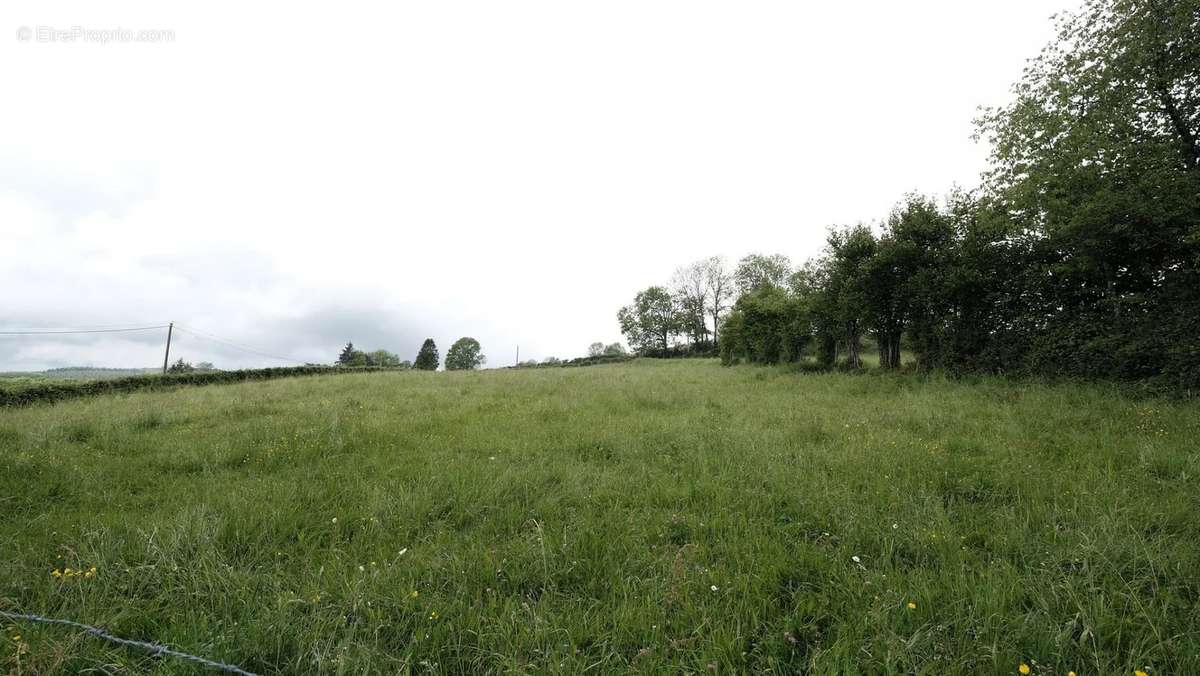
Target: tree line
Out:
[464,355]
[1078,255]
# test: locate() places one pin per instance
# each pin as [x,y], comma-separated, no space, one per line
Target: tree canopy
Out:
[465,354]
[1079,255]
[427,358]
[651,320]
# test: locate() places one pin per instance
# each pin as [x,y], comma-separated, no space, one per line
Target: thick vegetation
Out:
[663,516]
[351,356]
[1078,256]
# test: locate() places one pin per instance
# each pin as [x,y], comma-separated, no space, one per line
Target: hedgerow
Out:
[57,391]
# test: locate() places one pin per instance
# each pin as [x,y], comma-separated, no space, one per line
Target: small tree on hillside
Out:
[614,349]
[427,358]
[465,354]
[595,349]
[346,357]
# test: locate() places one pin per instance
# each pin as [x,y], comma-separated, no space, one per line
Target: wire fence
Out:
[155,649]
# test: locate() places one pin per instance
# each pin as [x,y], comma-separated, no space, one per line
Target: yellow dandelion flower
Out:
[1138,672]
[1070,673]
[56,573]
[433,615]
[912,606]
[1024,668]
[16,637]
[415,593]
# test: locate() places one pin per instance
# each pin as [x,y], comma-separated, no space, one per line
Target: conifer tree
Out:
[427,358]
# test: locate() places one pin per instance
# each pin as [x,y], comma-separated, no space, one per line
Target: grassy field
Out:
[650,517]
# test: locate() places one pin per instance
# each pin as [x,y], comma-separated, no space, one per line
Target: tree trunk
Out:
[853,348]
[1188,145]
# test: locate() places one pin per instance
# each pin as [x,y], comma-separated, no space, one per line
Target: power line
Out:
[43,332]
[232,344]
[195,332]
[83,327]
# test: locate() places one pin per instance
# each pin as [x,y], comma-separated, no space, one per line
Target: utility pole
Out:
[518,362]
[167,354]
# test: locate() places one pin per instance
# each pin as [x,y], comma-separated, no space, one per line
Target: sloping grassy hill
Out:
[657,516]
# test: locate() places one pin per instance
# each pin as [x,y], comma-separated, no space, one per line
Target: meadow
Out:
[654,516]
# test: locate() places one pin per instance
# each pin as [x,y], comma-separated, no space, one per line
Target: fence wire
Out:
[152,648]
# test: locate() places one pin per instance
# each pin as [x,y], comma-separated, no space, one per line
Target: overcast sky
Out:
[294,177]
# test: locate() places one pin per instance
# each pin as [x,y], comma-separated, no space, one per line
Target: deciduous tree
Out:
[465,354]
[651,321]
[757,270]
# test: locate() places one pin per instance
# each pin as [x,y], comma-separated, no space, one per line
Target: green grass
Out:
[652,516]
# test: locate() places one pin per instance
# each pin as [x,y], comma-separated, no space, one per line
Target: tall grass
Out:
[655,516]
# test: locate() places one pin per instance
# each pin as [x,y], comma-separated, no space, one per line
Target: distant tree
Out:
[595,349]
[551,361]
[427,358]
[719,286]
[465,354]
[405,364]
[346,358]
[528,363]
[913,282]
[383,358]
[181,366]
[614,350]
[849,252]
[690,291]
[810,286]
[757,270]
[651,321]
[205,366]
[767,326]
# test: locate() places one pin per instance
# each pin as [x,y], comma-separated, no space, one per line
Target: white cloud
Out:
[513,171]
